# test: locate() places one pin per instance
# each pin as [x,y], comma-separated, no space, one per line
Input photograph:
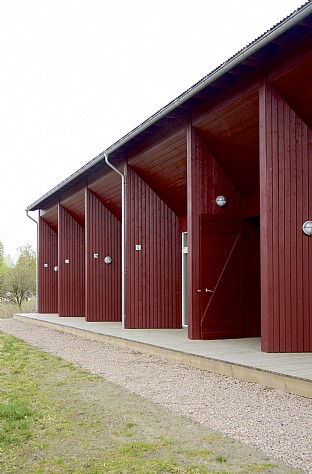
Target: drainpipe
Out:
[34,220]
[123,241]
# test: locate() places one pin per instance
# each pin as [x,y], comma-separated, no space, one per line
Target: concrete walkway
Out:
[238,358]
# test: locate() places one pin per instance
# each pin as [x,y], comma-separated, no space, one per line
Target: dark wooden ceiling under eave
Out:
[295,86]
[107,188]
[50,216]
[163,167]
[74,204]
[231,133]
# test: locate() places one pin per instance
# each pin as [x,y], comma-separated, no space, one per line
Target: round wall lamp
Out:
[107,260]
[307,227]
[221,201]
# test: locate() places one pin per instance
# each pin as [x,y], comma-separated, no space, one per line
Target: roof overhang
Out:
[178,108]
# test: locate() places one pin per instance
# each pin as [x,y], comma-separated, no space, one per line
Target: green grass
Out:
[220,458]
[58,418]
[15,422]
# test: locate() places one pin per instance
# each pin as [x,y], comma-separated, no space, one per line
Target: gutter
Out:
[37,286]
[285,25]
[123,240]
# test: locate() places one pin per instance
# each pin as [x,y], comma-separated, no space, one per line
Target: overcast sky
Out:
[76,75]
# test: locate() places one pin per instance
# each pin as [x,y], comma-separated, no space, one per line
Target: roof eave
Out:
[225,67]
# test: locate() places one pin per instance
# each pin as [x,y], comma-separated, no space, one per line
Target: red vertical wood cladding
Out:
[71,291]
[285,183]
[196,155]
[103,281]
[222,278]
[47,277]
[154,272]
[252,277]
[206,181]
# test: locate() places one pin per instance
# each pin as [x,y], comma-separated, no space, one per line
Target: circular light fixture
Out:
[307,227]
[56,268]
[107,260]
[221,201]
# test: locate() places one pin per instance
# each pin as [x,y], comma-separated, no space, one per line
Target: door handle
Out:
[209,291]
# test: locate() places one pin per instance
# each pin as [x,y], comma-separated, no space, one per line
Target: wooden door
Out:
[222,278]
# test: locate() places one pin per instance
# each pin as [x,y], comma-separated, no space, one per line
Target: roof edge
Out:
[291,20]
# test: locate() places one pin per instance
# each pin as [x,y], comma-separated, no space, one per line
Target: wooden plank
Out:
[51,217]
[47,277]
[308,255]
[103,281]
[160,148]
[223,107]
[164,164]
[252,277]
[306,245]
[284,207]
[287,133]
[196,198]
[299,222]
[280,231]
[71,283]
[265,188]
[293,234]
[274,220]
[153,273]
[159,138]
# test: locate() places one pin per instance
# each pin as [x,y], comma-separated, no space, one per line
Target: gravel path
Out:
[277,423]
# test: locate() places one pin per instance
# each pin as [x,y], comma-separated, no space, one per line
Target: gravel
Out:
[277,423]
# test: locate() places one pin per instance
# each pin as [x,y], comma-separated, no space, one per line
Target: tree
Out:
[21,278]
[1,254]
[1,269]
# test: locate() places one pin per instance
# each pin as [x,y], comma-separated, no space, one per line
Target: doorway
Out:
[222,277]
[184,281]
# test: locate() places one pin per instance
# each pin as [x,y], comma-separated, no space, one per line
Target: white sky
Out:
[76,75]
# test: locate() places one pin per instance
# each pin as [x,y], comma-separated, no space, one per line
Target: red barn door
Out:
[222,278]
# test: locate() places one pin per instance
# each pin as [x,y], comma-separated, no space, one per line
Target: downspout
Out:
[36,222]
[123,240]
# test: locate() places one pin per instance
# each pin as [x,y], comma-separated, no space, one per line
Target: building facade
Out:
[195,218]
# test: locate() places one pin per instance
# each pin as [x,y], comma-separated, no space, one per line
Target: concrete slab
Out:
[238,358]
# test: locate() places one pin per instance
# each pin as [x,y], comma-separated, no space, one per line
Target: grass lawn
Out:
[58,418]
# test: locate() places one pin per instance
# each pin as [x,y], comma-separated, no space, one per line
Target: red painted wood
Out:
[106,187]
[183,224]
[251,206]
[75,204]
[231,131]
[206,181]
[47,277]
[196,155]
[162,166]
[275,222]
[264,153]
[306,248]
[285,161]
[222,278]
[71,290]
[154,272]
[50,216]
[103,281]
[252,277]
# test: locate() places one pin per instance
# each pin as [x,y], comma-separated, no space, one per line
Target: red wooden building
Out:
[196,217]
